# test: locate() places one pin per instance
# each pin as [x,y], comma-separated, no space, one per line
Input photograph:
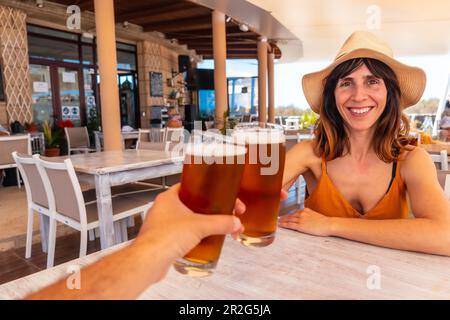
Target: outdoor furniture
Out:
[125,135]
[37,143]
[174,135]
[279,120]
[296,266]
[436,148]
[37,199]
[78,140]
[441,159]
[444,181]
[8,144]
[68,206]
[292,123]
[108,169]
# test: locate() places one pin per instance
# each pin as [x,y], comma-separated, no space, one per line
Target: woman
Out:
[360,169]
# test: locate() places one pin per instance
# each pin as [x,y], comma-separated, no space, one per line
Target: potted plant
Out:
[52,140]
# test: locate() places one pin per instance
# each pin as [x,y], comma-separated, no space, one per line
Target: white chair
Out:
[78,140]
[292,123]
[444,181]
[37,199]
[10,144]
[441,159]
[68,206]
[174,135]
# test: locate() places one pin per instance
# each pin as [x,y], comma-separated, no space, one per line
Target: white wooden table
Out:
[295,266]
[112,168]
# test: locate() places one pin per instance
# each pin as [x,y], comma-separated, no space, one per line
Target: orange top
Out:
[327,200]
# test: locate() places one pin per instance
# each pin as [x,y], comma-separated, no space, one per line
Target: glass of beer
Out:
[210,183]
[261,182]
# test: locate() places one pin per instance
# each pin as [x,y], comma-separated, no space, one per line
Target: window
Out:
[126,60]
[52,49]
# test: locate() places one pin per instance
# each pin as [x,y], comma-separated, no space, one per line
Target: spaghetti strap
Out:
[324,165]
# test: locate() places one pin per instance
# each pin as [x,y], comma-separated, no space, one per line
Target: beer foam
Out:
[214,149]
[258,136]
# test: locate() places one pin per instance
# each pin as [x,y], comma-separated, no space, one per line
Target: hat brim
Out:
[412,80]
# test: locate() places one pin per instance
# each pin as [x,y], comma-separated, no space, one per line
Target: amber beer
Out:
[261,183]
[209,185]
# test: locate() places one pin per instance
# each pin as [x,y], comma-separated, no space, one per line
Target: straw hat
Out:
[362,44]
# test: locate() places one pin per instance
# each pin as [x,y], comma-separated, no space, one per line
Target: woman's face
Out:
[360,99]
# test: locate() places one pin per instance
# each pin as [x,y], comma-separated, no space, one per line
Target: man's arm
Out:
[169,232]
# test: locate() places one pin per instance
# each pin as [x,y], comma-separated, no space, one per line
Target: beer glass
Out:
[209,185]
[261,181]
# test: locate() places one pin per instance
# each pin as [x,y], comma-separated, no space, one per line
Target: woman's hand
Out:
[307,221]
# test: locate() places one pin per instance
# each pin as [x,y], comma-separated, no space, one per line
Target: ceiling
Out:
[411,27]
[187,22]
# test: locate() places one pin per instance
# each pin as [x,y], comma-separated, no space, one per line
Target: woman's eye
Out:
[373,81]
[344,84]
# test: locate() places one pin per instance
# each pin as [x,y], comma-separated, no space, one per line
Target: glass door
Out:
[128,101]
[69,95]
[41,93]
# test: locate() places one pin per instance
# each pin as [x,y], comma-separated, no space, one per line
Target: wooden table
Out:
[112,168]
[295,266]
[436,148]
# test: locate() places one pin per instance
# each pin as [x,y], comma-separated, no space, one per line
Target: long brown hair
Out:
[392,128]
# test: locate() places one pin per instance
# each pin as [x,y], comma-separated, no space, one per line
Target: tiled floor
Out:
[13,264]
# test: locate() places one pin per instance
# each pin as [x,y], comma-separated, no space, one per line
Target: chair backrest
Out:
[9,144]
[246,117]
[143,135]
[157,146]
[444,181]
[32,179]
[63,188]
[77,137]
[174,135]
[441,160]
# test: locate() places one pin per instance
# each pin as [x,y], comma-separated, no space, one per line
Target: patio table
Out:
[295,266]
[112,168]
[436,148]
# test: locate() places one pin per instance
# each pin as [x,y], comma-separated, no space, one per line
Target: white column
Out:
[262,80]
[107,60]
[220,74]
[271,87]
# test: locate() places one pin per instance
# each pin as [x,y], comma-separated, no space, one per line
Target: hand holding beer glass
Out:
[261,182]
[209,185]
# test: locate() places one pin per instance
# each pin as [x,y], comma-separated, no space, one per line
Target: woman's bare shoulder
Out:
[305,151]
[414,158]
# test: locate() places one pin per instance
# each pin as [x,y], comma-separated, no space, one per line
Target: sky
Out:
[288,76]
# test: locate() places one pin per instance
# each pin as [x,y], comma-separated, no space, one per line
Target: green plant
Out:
[93,124]
[308,119]
[227,123]
[52,137]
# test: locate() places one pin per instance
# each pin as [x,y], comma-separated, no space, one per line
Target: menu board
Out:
[156,84]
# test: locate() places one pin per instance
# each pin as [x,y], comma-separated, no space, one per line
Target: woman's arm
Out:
[169,232]
[429,232]
[298,161]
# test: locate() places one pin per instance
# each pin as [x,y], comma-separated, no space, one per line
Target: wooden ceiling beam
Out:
[152,11]
[209,49]
[196,23]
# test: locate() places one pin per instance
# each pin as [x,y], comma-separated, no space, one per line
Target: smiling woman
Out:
[360,167]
